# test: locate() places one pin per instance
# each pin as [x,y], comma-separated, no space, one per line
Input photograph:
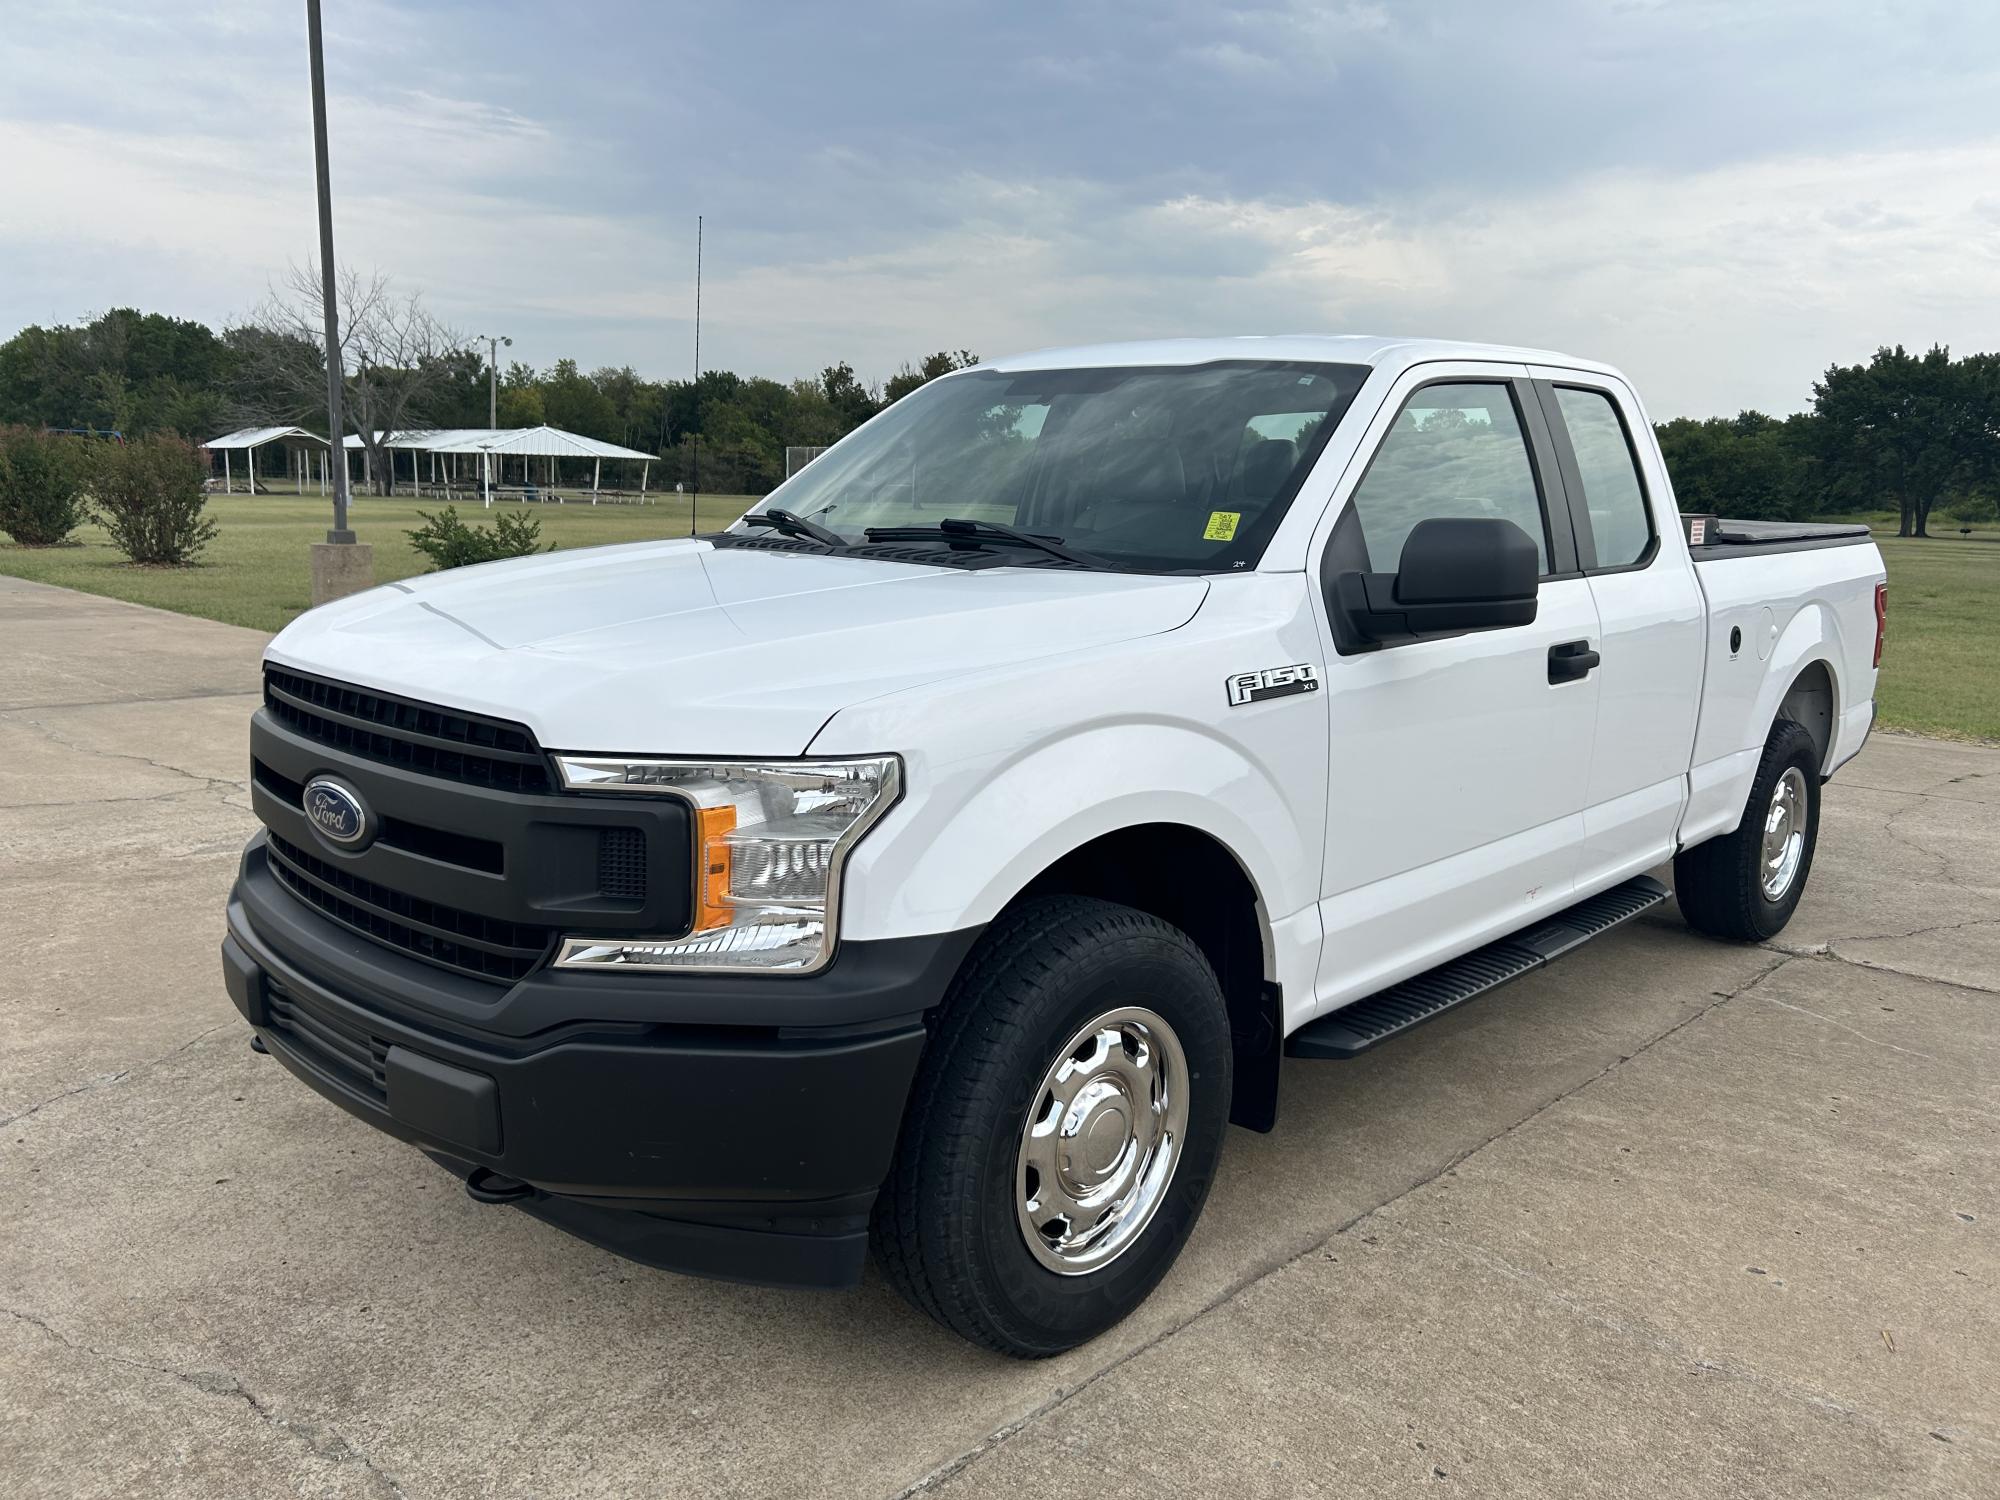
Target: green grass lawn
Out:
[1941,663]
[1940,673]
[254,572]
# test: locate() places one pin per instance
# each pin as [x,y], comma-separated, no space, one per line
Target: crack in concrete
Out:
[210,783]
[187,791]
[1909,841]
[1253,1277]
[1932,795]
[195,697]
[1883,937]
[1830,950]
[1945,870]
[1862,963]
[1843,1026]
[105,1080]
[322,1439]
[1945,873]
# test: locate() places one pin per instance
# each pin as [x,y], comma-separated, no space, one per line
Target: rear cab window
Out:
[1614,505]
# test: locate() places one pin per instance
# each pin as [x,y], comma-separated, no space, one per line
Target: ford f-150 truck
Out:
[942,855]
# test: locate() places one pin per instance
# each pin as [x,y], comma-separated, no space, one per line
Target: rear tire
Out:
[1745,885]
[1064,1128]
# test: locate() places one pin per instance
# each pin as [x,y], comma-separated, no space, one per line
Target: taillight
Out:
[1881,618]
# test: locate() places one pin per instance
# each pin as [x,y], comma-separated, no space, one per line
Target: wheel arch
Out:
[1187,876]
[1150,812]
[1812,701]
[1802,681]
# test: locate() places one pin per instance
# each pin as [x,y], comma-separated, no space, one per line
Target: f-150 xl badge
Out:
[1272,682]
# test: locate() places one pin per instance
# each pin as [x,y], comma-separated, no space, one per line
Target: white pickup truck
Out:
[942,855]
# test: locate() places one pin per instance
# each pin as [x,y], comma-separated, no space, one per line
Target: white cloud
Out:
[171,168]
[1715,290]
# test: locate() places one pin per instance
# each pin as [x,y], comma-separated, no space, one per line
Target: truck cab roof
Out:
[1392,354]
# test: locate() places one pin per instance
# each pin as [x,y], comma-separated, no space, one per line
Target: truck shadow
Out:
[1351,1137]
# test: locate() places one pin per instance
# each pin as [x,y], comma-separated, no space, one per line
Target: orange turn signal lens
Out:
[716,825]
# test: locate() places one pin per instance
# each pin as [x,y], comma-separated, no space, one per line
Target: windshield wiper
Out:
[784,522]
[954,529]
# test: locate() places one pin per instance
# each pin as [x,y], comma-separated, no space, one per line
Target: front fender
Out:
[976,833]
[1009,769]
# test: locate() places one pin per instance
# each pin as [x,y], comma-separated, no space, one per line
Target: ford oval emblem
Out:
[338,814]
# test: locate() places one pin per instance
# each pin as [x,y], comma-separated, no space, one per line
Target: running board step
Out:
[1355,1028]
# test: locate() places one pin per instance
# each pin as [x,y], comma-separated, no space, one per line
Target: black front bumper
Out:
[690,1122]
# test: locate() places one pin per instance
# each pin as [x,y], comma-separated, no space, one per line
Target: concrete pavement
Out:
[1673,1217]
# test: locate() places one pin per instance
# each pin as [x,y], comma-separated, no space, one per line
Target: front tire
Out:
[1746,885]
[1064,1128]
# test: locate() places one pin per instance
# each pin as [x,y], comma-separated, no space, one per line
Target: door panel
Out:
[1455,805]
[1652,618]
[1457,769]
[1648,699]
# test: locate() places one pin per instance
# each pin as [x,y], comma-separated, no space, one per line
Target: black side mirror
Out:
[1457,574]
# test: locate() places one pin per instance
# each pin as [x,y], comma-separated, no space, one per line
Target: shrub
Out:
[41,486]
[449,543]
[1965,507]
[148,495]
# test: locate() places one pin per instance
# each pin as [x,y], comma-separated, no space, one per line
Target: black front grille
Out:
[343,1051]
[442,844]
[485,947]
[419,737]
[621,864]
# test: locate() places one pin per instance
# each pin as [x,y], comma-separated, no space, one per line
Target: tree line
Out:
[1916,434]
[140,373]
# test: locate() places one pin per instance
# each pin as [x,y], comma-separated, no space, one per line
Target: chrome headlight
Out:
[770,838]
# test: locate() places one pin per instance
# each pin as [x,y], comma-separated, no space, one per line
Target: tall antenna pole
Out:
[335,428]
[694,498]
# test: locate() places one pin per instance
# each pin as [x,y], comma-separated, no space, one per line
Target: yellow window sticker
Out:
[1222,525]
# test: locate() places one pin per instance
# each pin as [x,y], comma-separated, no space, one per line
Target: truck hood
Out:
[681,648]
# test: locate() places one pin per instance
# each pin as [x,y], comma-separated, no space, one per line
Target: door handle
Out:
[1572,661]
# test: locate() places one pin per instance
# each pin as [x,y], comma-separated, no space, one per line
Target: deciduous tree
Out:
[1908,428]
[928,369]
[397,359]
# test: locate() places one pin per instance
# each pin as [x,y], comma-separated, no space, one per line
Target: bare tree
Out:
[394,354]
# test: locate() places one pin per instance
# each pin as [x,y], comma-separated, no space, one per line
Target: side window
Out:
[1619,522]
[1454,451]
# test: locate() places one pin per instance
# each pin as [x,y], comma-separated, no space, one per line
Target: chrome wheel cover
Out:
[1102,1139]
[1784,834]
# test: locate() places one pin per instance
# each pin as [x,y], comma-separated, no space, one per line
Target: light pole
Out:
[341,564]
[340,533]
[493,340]
[694,498]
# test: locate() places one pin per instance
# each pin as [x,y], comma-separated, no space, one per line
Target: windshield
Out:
[1154,468]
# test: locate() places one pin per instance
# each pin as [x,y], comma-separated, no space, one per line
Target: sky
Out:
[1721,198]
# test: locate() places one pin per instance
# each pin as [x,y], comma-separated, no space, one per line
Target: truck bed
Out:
[1807,599]
[1714,538]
